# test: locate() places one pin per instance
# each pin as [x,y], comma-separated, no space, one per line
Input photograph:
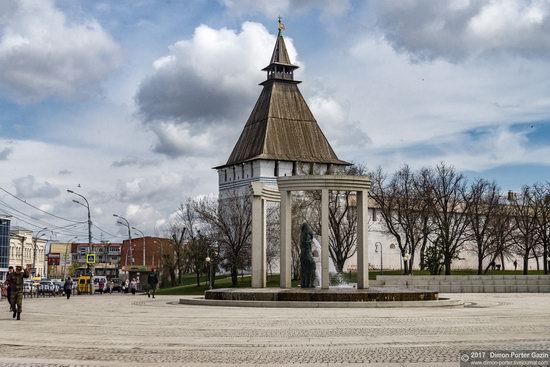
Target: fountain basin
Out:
[386,294]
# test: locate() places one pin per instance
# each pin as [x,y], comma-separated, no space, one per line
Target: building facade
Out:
[145,251]
[4,247]
[26,250]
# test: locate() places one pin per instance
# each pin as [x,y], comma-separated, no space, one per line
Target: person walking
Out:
[133,286]
[515,265]
[9,285]
[101,286]
[68,287]
[152,281]
[111,286]
[17,292]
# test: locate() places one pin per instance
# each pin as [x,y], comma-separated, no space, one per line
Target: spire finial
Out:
[281,26]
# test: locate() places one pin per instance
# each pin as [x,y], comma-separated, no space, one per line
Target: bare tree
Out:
[526,216]
[541,196]
[405,209]
[231,221]
[177,233]
[449,202]
[483,214]
[273,237]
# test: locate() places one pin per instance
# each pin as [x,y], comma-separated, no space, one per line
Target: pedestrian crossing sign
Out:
[90,258]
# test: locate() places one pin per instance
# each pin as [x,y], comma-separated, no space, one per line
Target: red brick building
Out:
[154,247]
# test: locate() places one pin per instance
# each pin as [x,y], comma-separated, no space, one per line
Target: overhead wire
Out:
[47,224]
[35,207]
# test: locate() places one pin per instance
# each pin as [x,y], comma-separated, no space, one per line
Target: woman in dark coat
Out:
[68,287]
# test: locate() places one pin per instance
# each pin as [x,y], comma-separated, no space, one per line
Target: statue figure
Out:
[307,264]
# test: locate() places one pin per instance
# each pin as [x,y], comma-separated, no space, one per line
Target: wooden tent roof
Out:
[281,125]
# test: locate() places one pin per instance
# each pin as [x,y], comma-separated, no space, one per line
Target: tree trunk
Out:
[234,276]
[545,258]
[479,264]
[340,265]
[173,277]
[423,256]
[525,264]
[447,265]
[502,260]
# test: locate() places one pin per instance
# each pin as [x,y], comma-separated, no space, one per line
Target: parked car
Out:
[97,279]
[83,284]
[117,285]
[60,286]
[48,287]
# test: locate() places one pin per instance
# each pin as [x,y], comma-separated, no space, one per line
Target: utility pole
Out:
[90,246]
[127,224]
[35,240]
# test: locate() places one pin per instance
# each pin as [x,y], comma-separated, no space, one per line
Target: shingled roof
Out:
[281,125]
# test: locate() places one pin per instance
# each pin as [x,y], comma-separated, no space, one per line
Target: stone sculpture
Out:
[307,264]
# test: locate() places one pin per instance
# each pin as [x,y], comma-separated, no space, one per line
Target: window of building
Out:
[251,169]
[242,170]
[276,170]
[294,168]
[234,173]
[225,175]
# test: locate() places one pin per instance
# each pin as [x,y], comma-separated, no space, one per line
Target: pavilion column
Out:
[258,242]
[362,243]
[286,257]
[325,281]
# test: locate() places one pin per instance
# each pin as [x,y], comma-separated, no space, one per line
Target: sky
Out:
[132,102]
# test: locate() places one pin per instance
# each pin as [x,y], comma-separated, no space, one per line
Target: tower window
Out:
[251,169]
[234,173]
[242,170]
[276,170]
[293,168]
[225,175]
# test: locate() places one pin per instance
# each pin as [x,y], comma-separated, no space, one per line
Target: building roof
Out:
[280,54]
[281,125]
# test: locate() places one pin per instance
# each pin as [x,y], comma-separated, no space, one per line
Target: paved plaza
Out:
[125,330]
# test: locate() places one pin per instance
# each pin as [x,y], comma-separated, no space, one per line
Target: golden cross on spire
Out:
[281,26]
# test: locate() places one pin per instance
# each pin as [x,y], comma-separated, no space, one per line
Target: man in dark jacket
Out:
[17,292]
[152,281]
[9,285]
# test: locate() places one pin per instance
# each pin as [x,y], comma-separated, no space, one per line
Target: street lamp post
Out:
[378,245]
[90,246]
[35,240]
[127,224]
[209,262]
[142,236]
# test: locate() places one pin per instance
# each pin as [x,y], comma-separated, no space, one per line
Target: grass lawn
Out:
[224,282]
[190,288]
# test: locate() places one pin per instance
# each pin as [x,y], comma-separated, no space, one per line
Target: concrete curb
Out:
[201,301]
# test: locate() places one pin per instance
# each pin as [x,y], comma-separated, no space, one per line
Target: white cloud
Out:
[204,86]
[43,54]
[209,76]
[29,187]
[272,9]
[459,29]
